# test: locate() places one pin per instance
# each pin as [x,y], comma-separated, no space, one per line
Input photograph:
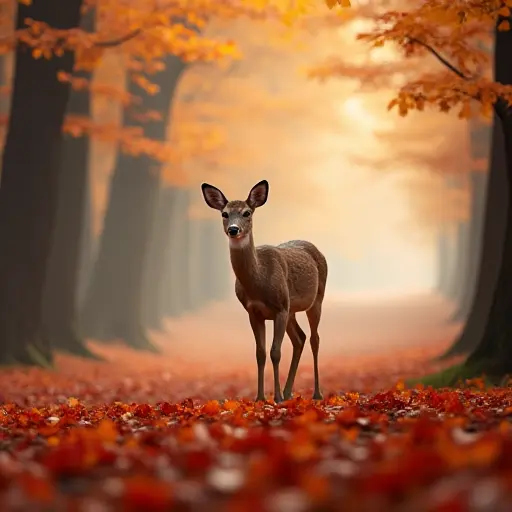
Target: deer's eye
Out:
[225,215]
[247,213]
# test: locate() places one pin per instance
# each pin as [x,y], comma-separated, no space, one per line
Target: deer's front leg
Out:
[258,328]
[280,323]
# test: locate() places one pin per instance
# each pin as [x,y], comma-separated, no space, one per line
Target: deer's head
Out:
[237,214]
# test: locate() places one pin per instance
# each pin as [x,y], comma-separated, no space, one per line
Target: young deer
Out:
[273,283]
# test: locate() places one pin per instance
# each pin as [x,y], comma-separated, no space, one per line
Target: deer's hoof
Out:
[287,396]
[260,398]
[318,396]
[278,399]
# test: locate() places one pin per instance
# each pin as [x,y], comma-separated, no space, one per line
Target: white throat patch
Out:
[239,243]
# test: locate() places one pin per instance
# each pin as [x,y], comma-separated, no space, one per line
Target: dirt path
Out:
[351,326]
[366,345]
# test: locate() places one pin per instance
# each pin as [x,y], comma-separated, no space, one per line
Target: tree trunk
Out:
[490,255]
[478,184]
[451,256]
[443,262]
[87,247]
[176,292]
[216,265]
[29,186]
[479,136]
[493,352]
[458,278]
[159,258]
[209,263]
[196,271]
[113,304]
[62,275]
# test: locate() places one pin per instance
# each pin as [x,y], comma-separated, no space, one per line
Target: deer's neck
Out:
[244,260]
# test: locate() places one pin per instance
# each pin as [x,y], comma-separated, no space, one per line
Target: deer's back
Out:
[294,270]
[307,272]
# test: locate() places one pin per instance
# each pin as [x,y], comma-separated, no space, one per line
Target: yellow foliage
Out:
[455,34]
[332,3]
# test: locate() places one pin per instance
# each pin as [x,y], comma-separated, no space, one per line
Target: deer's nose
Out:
[233,230]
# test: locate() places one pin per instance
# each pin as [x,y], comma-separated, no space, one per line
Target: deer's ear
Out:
[214,197]
[258,194]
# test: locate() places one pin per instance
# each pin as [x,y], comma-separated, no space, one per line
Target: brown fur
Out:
[274,283]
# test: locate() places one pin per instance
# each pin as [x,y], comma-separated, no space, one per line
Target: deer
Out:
[273,283]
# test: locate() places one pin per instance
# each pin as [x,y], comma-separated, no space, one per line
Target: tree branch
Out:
[120,40]
[500,106]
[439,57]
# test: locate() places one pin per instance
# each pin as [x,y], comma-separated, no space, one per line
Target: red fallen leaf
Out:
[315,486]
[145,493]
[197,461]
[143,411]
[23,420]
[256,439]
[188,403]
[246,501]
[167,409]
[66,459]
[387,400]
[107,431]
[424,430]
[418,467]
[39,490]
[186,435]
[453,504]
[309,416]
[349,434]
[400,385]
[285,471]
[348,416]
[53,441]
[452,403]
[73,402]
[217,431]
[301,447]
[481,453]
[211,408]
[49,430]
[230,405]
[504,462]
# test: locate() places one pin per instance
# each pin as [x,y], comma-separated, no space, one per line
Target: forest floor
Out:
[179,430]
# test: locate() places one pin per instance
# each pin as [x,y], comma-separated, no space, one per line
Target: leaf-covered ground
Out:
[154,433]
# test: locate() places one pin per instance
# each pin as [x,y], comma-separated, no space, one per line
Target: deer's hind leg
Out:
[298,339]
[314,314]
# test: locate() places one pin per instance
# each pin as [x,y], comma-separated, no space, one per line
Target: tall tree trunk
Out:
[443,258]
[196,272]
[62,275]
[216,264]
[159,257]
[478,184]
[176,298]
[490,255]
[458,278]
[113,304]
[87,247]
[479,136]
[493,352]
[209,263]
[451,260]
[29,186]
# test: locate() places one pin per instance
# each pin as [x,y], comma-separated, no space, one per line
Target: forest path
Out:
[350,326]
[367,344]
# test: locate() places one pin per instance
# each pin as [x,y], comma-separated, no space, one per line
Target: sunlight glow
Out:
[355,109]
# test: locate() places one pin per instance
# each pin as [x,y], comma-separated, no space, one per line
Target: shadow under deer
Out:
[273,283]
